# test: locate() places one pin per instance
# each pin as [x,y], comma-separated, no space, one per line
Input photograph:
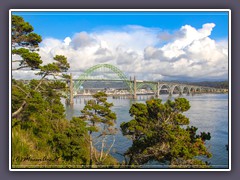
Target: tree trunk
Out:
[103,145]
[107,153]
[91,150]
[19,110]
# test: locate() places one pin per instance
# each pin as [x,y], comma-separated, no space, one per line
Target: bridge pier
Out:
[135,88]
[157,93]
[71,102]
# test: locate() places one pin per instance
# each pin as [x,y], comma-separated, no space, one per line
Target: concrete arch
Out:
[161,86]
[176,86]
[186,87]
[83,77]
[198,89]
[151,85]
[192,89]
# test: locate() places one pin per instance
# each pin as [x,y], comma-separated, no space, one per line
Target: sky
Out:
[186,46]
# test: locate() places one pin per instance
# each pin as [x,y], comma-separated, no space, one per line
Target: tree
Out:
[100,119]
[68,141]
[39,127]
[54,69]
[22,33]
[158,133]
[24,43]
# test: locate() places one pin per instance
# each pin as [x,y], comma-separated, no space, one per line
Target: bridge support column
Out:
[135,88]
[171,88]
[71,91]
[157,93]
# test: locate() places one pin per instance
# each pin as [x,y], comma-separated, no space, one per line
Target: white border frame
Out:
[123,10]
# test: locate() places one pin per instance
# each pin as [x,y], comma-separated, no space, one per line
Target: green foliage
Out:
[213,84]
[62,63]
[33,39]
[42,125]
[100,119]
[40,133]
[97,111]
[24,40]
[62,143]
[46,88]
[22,32]
[56,68]
[203,135]
[29,59]
[158,134]
[19,92]
[68,142]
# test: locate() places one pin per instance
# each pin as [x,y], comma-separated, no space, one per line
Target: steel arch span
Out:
[83,77]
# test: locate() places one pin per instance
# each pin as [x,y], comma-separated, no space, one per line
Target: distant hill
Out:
[214,84]
[122,85]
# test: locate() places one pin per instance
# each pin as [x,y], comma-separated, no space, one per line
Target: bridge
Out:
[134,86]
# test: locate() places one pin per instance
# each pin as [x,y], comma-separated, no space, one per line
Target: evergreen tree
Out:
[22,33]
[54,69]
[37,111]
[24,44]
[158,133]
[68,141]
[100,119]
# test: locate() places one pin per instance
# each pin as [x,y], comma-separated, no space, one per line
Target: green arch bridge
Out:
[133,86]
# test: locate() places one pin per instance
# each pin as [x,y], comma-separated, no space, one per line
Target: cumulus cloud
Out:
[187,52]
[67,40]
[166,36]
[153,53]
[194,54]
[81,40]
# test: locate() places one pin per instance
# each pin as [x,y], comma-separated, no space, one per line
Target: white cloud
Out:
[81,40]
[67,40]
[137,50]
[25,74]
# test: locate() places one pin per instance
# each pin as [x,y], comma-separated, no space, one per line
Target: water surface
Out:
[208,112]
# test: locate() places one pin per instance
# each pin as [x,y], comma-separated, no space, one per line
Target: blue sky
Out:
[151,45]
[62,24]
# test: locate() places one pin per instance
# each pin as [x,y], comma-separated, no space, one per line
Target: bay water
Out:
[208,112]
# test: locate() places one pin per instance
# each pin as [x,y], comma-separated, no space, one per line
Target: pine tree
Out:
[100,119]
[24,44]
[158,133]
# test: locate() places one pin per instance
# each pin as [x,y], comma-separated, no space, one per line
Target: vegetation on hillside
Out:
[41,135]
[213,84]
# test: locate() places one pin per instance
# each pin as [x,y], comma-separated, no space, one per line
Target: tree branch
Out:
[16,60]
[20,68]
[110,148]
[20,89]
[103,145]
[15,114]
